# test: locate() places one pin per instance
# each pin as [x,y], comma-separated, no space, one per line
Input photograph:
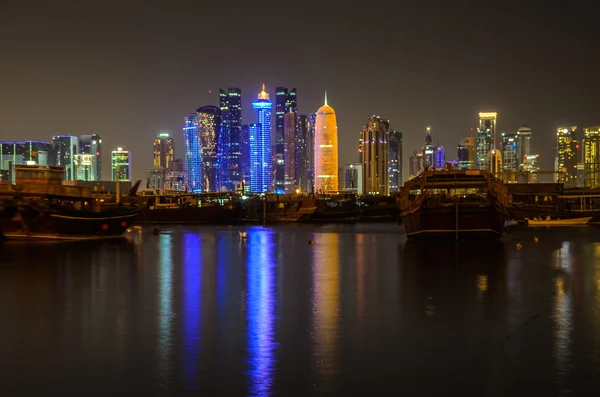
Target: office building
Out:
[64,148]
[439,157]
[395,173]
[351,179]
[164,150]
[193,154]
[12,153]
[289,163]
[245,158]
[209,128]
[120,165]
[285,102]
[230,138]
[486,139]
[511,160]
[326,150]
[415,164]
[374,164]
[428,150]
[304,154]
[524,141]
[566,156]
[92,144]
[261,169]
[86,167]
[591,156]
[465,153]
[176,177]
[495,162]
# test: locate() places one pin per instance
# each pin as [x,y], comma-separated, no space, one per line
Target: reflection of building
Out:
[394,160]
[92,144]
[465,152]
[415,164]
[193,154]
[285,102]
[428,150]
[326,150]
[164,150]
[65,147]
[120,165]
[209,127]
[304,154]
[86,167]
[486,138]
[566,156]
[289,152]
[260,146]
[351,179]
[591,156]
[375,150]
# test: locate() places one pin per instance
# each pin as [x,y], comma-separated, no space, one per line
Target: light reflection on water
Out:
[165,309]
[562,315]
[192,282]
[260,305]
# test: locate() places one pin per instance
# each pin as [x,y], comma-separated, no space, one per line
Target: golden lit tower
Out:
[326,150]
[163,150]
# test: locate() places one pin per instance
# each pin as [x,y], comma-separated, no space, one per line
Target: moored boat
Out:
[558,222]
[456,205]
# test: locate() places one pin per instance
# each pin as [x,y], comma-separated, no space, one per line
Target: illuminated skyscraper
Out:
[566,164]
[86,167]
[120,165]
[312,119]
[351,179]
[285,102]
[261,170]
[511,161]
[304,154]
[92,144]
[209,128]
[439,157]
[164,150]
[230,136]
[486,138]
[12,153]
[394,159]
[326,150]
[245,159]
[289,157]
[65,147]
[375,165]
[495,161]
[428,150]
[524,139]
[465,151]
[591,156]
[193,154]
[415,164]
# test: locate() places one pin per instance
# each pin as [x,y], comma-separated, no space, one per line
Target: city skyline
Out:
[428,78]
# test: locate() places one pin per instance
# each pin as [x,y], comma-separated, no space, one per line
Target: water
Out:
[359,312]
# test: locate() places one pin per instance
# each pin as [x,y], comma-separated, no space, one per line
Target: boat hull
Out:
[188,215]
[479,222]
[559,222]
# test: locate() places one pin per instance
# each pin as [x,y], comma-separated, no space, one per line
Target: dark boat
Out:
[342,209]
[41,206]
[378,209]
[288,208]
[453,205]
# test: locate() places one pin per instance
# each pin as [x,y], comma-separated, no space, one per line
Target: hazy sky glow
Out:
[129,69]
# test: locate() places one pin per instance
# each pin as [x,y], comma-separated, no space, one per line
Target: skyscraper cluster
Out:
[222,154]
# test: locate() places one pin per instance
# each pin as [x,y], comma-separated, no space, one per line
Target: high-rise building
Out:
[304,154]
[176,176]
[351,178]
[394,159]
[92,144]
[375,151]
[591,156]
[164,150]
[245,158]
[261,170]
[566,158]
[439,157]
[326,150]
[193,154]
[511,161]
[285,102]
[415,164]
[495,162]
[289,163]
[12,153]
[465,153]
[428,150]
[486,138]
[86,166]
[120,165]
[524,140]
[65,147]
[230,137]
[209,128]
[312,119]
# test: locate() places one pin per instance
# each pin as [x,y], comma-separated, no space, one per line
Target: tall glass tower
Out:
[193,154]
[285,103]
[261,174]
[394,159]
[486,138]
[326,150]
[65,147]
[209,131]
[121,165]
[164,150]
[92,144]
[230,150]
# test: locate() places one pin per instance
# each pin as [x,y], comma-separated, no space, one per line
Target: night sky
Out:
[129,69]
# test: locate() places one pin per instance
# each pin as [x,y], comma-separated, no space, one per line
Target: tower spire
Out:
[325,98]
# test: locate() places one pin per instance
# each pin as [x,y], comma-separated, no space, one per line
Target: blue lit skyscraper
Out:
[260,146]
[193,155]
[245,158]
[230,152]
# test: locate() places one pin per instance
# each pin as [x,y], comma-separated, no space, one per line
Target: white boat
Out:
[557,222]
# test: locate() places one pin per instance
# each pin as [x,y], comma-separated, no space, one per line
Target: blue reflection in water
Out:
[260,311]
[224,255]
[192,277]
[165,312]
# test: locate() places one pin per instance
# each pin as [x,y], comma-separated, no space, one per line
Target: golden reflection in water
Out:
[326,300]
[360,276]
[482,282]
[562,313]
[165,312]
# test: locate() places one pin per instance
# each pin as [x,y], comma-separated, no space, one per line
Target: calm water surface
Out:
[359,312]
